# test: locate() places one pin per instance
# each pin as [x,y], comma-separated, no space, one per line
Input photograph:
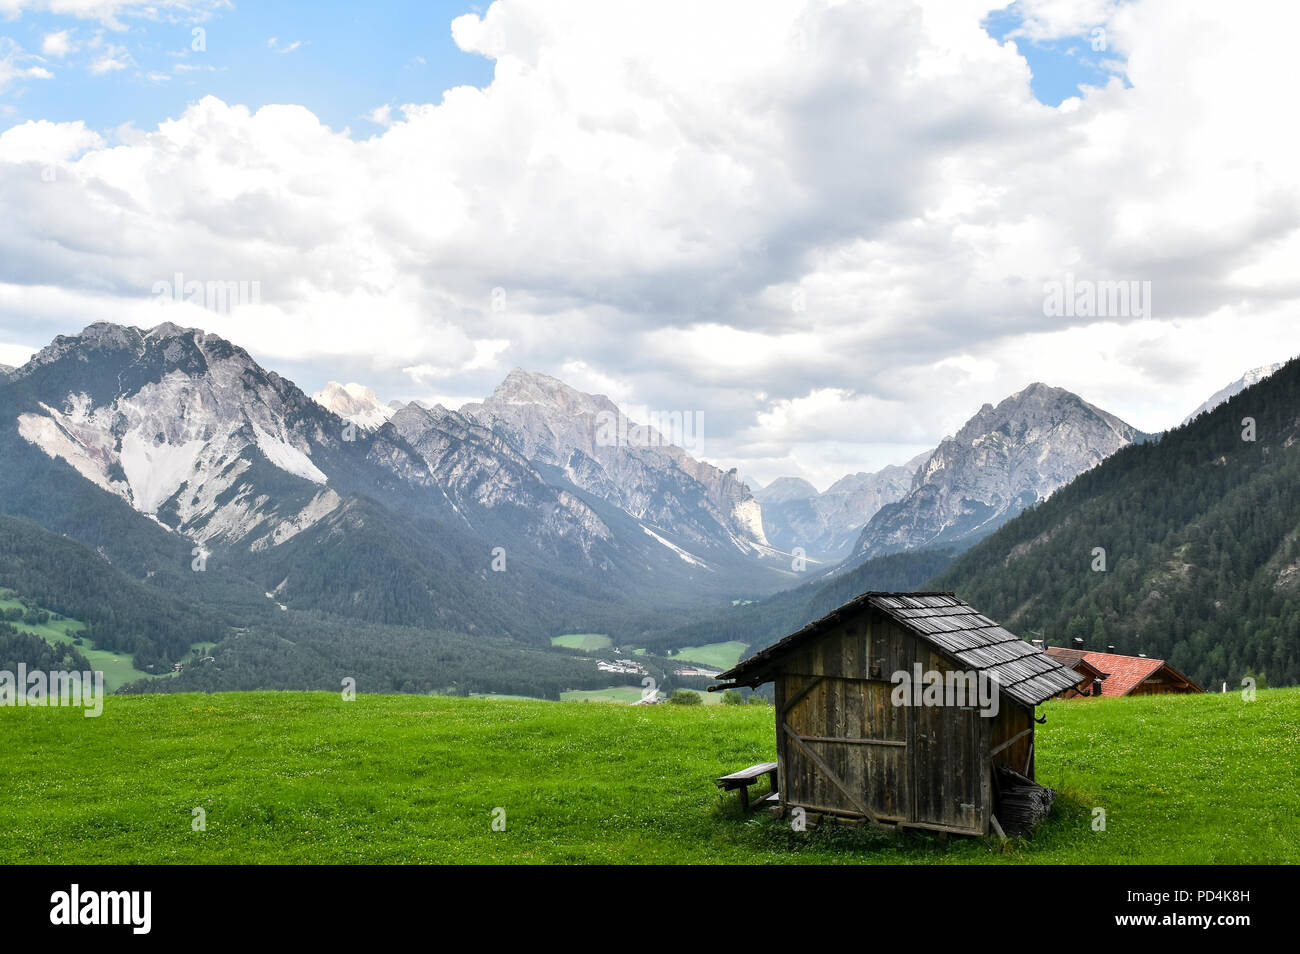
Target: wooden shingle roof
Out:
[952,626]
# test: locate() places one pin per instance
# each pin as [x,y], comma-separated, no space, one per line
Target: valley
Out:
[507,548]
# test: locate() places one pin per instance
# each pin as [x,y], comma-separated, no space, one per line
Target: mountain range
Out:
[191,433]
[1182,547]
[307,536]
[586,441]
[177,460]
[826,525]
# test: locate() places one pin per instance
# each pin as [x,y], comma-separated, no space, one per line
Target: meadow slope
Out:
[306,777]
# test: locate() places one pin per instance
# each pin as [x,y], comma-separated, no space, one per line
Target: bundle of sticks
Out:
[1022,804]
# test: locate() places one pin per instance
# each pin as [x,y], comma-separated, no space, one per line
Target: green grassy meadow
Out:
[306,777]
[719,655]
[624,695]
[56,629]
[588,642]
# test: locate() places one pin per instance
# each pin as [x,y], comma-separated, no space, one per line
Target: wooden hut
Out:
[850,743]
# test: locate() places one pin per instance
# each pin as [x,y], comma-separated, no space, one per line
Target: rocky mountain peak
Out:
[136,351]
[1002,460]
[1031,414]
[171,330]
[180,424]
[354,402]
[785,489]
[1039,389]
[531,387]
[100,336]
[601,451]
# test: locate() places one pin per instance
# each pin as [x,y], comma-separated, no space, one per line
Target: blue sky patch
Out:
[1061,67]
[340,60]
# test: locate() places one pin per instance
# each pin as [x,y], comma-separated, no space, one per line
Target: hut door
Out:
[946,777]
[843,746]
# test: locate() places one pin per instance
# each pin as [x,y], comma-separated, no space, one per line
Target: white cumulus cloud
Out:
[801,220]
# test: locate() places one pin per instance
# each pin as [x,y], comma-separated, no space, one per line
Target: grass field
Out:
[627,695]
[306,777]
[718,655]
[708,698]
[624,694]
[590,642]
[61,630]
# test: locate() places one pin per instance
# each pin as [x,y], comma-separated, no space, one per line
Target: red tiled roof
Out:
[1123,673]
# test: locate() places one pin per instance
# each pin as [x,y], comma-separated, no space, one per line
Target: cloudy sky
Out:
[830,228]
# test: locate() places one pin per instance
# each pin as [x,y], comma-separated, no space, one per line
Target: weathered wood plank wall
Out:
[908,764]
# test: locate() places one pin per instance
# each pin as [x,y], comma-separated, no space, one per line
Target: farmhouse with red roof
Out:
[1119,675]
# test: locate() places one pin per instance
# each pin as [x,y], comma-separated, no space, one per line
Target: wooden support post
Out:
[1011,741]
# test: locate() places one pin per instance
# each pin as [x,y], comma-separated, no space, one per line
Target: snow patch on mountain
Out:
[685,555]
[287,457]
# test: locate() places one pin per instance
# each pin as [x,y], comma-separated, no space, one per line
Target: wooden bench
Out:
[740,781]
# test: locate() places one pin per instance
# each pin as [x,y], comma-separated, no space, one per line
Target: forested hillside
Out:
[299,650]
[18,648]
[120,613]
[1201,540]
